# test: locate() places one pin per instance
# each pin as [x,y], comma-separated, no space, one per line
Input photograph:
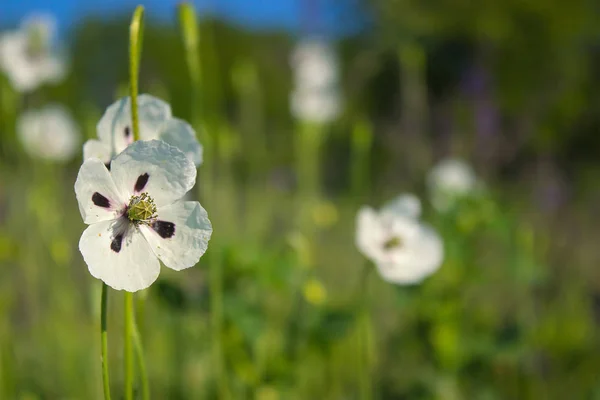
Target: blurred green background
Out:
[271,310]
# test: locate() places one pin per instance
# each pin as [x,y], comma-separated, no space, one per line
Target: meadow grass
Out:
[283,306]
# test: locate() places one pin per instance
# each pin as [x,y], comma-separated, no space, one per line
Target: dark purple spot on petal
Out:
[115,245]
[127,132]
[100,200]
[140,184]
[164,229]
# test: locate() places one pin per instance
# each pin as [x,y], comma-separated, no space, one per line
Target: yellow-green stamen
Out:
[141,209]
[392,243]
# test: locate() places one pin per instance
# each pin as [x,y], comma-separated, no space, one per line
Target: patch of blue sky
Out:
[331,18]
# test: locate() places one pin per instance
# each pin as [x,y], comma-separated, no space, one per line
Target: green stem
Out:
[136,29]
[216,305]
[135,50]
[127,348]
[366,385]
[139,352]
[104,340]
[364,320]
[189,29]
[362,138]
[308,144]
[246,83]
[203,125]
[309,148]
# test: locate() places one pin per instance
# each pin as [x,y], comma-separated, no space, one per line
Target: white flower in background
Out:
[156,121]
[49,133]
[29,57]
[136,216]
[315,65]
[313,106]
[316,95]
[404,249]
[450,180]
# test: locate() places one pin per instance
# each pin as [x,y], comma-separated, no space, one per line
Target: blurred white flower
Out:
[314,106]
[450,180]
[49,133]
[315,65]
[404,249]
[316,95]
[137,217]
[156,122]
[29,57]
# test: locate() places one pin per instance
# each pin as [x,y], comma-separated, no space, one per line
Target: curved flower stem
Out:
[127,349]
[139,352]
[364,321]
[104,340]
[200,119]
[136,29]
[189,29]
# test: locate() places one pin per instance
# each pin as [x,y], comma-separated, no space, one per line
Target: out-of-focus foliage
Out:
[275,310]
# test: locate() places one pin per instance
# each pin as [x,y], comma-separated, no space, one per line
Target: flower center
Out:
[141,209]
[36,42]
[392,243]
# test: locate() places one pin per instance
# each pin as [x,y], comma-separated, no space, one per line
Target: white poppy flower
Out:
[28,56]
[450,180]
[137,217]
[316,96]
[156,122]
[404,249]
[49,133]
[315,106]
[315,65]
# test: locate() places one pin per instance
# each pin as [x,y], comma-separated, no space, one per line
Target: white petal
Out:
[115,129]
[406,204]
[315,64]
[49,133]
[133,267]
[96,149]
[402,226]
[98,197]
[43,23]
[54,68]
[417,258]
[153,113]
[180,134]
[61,134]
[170,173]
[449,180]
[399,274]
[369,233]
[28,131]
[26,72]
[22,74]
[319,106]
[189,240]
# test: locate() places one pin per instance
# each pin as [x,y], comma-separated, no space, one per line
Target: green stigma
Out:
[36,42]
[141,209]
[392,243]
